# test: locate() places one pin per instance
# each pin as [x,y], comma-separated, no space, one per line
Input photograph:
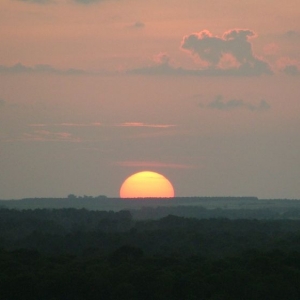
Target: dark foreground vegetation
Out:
[80,254]
[127,273]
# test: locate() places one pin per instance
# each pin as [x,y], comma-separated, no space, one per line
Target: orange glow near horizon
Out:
[147,184]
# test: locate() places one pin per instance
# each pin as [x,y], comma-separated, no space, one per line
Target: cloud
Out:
[47,69]
[48,136]
[291,35]
[166,69]
[139,124]
[95,124]
[138,25]
[233,47]
[161,66]
[98,124]
[153,164]
[289,66]
[292,70]
[230,55]
[9,105]
[232,104]
[56,131]
[20,68]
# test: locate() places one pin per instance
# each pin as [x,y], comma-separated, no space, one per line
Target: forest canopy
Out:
[85,255]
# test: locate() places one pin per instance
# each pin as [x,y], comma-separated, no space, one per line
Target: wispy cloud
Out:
[153,164]
[219,104]
[48,136]
[139,124]
[96,124]
[46,131]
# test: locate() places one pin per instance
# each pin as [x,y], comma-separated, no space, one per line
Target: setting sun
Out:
[146,184]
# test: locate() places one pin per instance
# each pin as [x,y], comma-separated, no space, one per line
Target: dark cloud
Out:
[20,68]
[138,25]
[234,47]
[292,70]
[219,104]
[291,34]
[231,55]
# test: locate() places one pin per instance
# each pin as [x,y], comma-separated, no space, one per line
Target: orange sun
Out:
[146,184]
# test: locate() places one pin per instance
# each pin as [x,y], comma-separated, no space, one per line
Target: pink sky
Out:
[204,92]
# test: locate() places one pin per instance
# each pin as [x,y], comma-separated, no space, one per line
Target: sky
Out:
[204,92]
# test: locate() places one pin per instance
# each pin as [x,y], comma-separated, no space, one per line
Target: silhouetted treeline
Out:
[200,212]
[62,220]
[116,204]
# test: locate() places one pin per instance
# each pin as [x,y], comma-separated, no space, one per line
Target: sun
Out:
[147,184]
